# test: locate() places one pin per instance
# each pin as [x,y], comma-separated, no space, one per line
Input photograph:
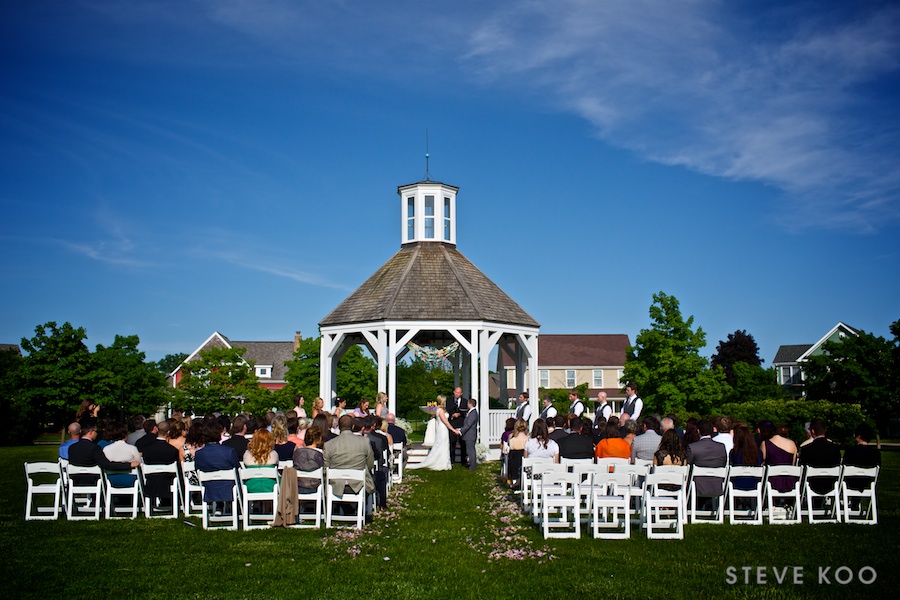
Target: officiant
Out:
[457,407]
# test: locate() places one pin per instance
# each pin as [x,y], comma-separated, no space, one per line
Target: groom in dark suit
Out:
[456,414]
[468,433]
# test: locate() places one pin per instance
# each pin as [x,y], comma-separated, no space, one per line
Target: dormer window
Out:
[264,371]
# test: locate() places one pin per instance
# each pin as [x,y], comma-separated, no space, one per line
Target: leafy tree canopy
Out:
[863,370]
[125,380]
[739,347]
[418,384]
[666,366]
[357,374]
[220,380]
[170,362]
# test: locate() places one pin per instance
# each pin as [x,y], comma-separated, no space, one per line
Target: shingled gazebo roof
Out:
[428,282]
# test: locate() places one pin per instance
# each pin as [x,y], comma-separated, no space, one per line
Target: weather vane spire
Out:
[427,156]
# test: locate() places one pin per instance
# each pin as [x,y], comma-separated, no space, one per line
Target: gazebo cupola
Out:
[428,212]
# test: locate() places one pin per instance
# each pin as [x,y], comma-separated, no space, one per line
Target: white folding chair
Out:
[312,518]
[343,478]
[717,497]
[254,515]
[87,494]
[783,507]
[212,516]
[43,479]
[612,464]
[753,497]
[132,492]
[828,500]
[525,475]
[397,468]
[665,508]
[192,491]
[152,506]
[858,495]
[612,496]
[538,487]
[571,462]
[638,473]
[559,496]
[677,470]
[64,480]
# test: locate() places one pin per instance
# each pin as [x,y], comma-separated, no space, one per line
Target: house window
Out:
[410,218]
[791,375]
[570,378]
[447,219]
[620,374]
[598,378]
[544,376]
[429,217]
[263,372]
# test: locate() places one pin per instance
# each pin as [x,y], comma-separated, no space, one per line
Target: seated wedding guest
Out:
[293,429]
[150,431]
[137,424]
[671,450]
[121,451]
[628,431]
[613,446]
[691,433]
[863,454]
[283,447]
[350,451]
[381,427]
[380,447]
[578,444]
[707,453]
[821,452]
[777,450]
[397,433]
[86,453]
[226,427]
[309,457]
[161,452]
[260,453]
[559,428]
[520,435]
[539,445]
[600,429]
[323,422]
[177,437]
[646,444]
[745,453]
[238,439]
[74,435]
[213,456]
[724,433]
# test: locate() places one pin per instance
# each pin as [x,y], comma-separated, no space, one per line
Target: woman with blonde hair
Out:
[381,404]
[318,406]
[283,447]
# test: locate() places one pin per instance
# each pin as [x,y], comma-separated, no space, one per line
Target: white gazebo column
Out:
[377,342]
[328,347]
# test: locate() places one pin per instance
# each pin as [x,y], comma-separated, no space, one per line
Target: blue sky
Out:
[171,168]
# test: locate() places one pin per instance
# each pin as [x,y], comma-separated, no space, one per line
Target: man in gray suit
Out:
[349,451]
[468,433]
[707,453]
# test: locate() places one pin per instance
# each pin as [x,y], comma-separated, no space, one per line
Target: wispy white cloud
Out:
[709,90]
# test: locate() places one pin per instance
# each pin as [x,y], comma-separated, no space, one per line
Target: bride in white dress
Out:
[438,458]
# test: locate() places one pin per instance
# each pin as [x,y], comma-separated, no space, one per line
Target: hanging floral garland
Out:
[433,357]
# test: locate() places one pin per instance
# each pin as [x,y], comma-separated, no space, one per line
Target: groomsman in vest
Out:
[604,409]
[468,433]
[457,407]
[523,411]
[631,409]
[549,411]
[577,406]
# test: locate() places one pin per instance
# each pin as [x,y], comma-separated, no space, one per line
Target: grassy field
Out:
[445,535]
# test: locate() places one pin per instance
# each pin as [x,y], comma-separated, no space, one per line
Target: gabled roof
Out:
[580,350]
[259,353]
[428,282]
[790,353]
[796,353]
[11,348]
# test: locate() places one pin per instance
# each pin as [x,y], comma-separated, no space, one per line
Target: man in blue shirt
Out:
[74,436]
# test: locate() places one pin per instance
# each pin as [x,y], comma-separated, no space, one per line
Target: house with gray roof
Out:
[789,359]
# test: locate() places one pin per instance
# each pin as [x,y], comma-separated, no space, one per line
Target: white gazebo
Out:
[429,295]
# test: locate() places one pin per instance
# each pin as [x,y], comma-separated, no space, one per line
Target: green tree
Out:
[861,369]
[357,374]
[220,380]
[753,383]
[125,380]
[666,365]
[58,372]
[170,362]
[418,384]
[22,423]
[739,347]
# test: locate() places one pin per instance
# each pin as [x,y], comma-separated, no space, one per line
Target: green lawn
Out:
[444,536]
